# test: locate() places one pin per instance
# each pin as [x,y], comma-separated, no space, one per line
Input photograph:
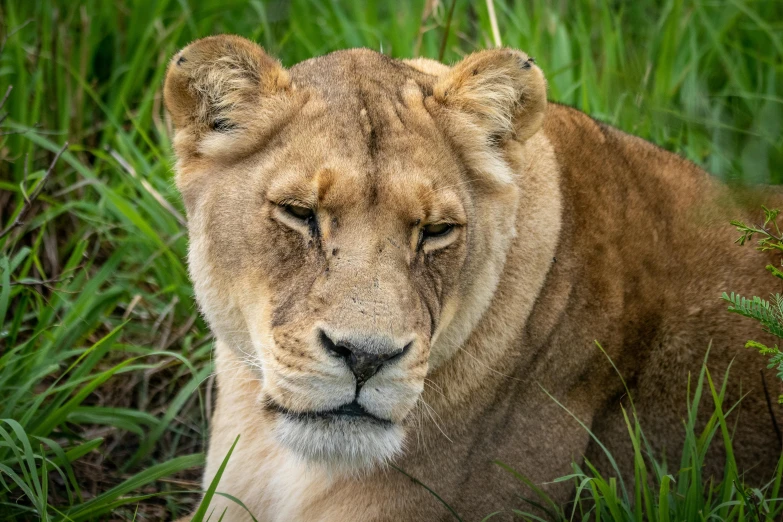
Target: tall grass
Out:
[661,491]
[104,361]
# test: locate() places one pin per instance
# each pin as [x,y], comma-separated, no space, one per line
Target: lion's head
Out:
[349,219]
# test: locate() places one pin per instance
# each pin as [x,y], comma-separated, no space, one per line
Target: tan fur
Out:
[565,231]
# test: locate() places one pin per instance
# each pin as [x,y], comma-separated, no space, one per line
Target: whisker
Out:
[430,411]
[438,389]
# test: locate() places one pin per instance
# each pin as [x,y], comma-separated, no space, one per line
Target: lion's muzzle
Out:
[359,395]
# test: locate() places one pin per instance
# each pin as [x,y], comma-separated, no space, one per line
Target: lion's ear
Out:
[223,86]
[502,92]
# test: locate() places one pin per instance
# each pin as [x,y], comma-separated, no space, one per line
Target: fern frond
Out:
[758,309]
[763,349]
[778,300]
[774,271]
[776,362]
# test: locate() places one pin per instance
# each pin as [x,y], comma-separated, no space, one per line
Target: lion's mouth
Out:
[346,439]
[349,410]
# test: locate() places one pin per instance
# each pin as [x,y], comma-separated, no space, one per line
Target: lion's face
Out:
[344,239]
[339,260]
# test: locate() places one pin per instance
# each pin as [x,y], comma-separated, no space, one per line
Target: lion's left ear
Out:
[502,92]
[225,95]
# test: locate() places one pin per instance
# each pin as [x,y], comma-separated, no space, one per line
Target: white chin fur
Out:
[342,444]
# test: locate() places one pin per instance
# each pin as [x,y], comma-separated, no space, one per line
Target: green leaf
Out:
[198,516]
[100,504]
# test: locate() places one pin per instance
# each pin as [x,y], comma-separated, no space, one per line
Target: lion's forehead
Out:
[345,72]
[364,100]
[364,134]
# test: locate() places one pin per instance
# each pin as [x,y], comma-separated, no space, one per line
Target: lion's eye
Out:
[438,230]
[298,212]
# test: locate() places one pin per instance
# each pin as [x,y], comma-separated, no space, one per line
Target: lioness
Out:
[404,262]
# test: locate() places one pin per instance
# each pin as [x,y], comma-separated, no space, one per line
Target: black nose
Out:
[364,355]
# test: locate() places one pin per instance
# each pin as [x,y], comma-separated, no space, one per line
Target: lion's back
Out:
[647,250]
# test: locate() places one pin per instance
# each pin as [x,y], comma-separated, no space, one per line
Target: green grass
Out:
[664,492]
[104,361]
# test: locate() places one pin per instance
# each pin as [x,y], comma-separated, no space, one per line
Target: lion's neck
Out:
[487,359]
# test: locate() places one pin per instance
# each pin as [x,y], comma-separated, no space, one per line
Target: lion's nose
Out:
[365,355]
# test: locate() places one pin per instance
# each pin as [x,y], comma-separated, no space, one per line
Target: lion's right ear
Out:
[224,94]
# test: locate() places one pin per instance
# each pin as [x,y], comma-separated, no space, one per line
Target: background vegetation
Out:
[104,362]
